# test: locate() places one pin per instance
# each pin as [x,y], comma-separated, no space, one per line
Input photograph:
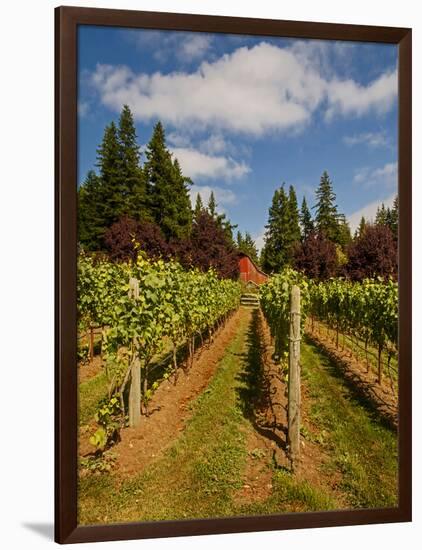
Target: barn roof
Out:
[243,255]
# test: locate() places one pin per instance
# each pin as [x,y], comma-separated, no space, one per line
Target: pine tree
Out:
[183,221]
[394,218]
[344,233]
[381,217]
[167,191]
[221,219]
[112,192]
[132,177]
[212,206]
[274,256]
[326,215]
[361,228]
[305,218]
[247,245]
[199,206]
[90,213]
[293,214]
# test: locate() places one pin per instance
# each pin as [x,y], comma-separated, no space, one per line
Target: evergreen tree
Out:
[278,244]
[293,214]
[361,228]
[167,191]
[247,245]
[394,218]
[221,219]
[212,206]
[132,177]
[199,206]
[344,234]
[305,218]
[112,191]
[90,213]
[326,215]
[381,217]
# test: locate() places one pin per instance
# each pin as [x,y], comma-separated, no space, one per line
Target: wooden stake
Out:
[135,374]
[294,378]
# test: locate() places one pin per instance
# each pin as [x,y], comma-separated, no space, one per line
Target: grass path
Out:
[203,472]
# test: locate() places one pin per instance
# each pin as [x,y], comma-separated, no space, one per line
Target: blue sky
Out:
[245,114]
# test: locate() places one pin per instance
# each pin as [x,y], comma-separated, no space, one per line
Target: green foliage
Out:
[282,231]
[305,218]
[173,304]
[389,217]
[326,214]
[368,309]
[167,188]
[275,303]
[108,419]
[90,212]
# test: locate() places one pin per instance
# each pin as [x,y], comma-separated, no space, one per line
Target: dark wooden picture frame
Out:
[67,20]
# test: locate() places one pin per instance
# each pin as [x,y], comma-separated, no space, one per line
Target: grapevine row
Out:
[367,310]
[174,307]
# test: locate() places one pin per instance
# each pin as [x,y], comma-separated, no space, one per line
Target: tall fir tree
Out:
[381,217]
[394,218]
[113,190]
[344,234]
[132,178]
[212,206]
[199,206]
[305,218]
[90,213]
[167,191]
[361,228]
[221,219]
[278,249]
[293,213]
[326,214]
[180,186]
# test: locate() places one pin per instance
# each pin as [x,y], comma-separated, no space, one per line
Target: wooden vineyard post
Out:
[135,374]
[294,378]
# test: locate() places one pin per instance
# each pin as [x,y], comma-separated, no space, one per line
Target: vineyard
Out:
[167,341]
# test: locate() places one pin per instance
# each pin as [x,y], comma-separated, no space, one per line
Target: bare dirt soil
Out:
[87,371]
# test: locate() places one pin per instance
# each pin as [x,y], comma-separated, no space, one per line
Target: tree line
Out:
[322,246]
[133,203]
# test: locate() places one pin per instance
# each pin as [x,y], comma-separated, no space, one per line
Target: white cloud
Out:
[252,90]
[386,175]
[222,196]
[346,97]
[215,143]
[368,212]
[194,47]
[373,139]
[198,165]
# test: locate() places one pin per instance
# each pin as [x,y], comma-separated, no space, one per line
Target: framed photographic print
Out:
[233,274]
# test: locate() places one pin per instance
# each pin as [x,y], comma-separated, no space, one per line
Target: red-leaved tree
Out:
[120,240]
[207,247]
[372,254]
[316,257]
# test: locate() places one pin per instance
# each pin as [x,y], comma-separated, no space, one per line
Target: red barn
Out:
[249,272]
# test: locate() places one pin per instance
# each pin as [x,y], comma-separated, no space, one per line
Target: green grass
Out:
[90,394]
[359,445]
